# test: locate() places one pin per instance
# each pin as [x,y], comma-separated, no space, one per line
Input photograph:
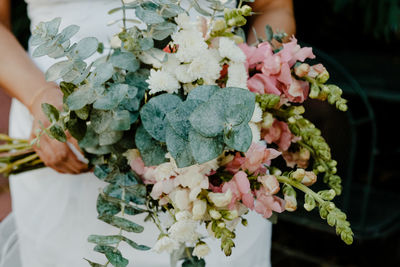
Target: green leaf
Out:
[116,259]
[58,70]
[200,10]
[202,93]
[80,98]
[113,96]
[208,118]
[51,112]
[146,43]
[83,113]
[238,137]
[67,88]
[122,223]
[135,245]
[57,132]
[179,118]
[205,148]
[136,193]
[148,16]
[52,26]
[85,48]
[151,151]
[91,138]
[68,32]
[131,210]
[105,207]
[76,127]
[102,171]
[269,33]
[104,240]
[194,262]
[163,30]
[100,120]
[121,121]
[153,114]
[126,179]
[94,264]
[102,73]
[179,149]
[125,60]
[109,137]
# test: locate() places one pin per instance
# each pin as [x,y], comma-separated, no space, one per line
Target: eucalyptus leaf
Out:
[112,97]
[104,240]
[67,88]
[205,148]
[153,114]
[52,26]
[238,137]
[269,33]
[179,149]
[136,193]
[44,49]
[146,43]
[68,32]
[83,113]
[58,70]
[80,98]
[121,121]
[208,118]
[122,223]
[151,151]
[125,60]
[126,179]
[162,30]
[102,73]
[116,259]
[135,245]
[76,127]
[51,112]
[94,264]
[57,132]
[91,138]
[148,16]
[85,48]
[109,137]
[179,118]
[100,120]
[102,171]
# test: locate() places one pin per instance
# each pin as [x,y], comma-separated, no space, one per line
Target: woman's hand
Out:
[55,154]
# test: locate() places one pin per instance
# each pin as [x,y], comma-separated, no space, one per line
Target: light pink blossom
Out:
[265,204]
[279,134]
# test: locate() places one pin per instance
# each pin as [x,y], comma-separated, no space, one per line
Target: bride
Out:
[54,208]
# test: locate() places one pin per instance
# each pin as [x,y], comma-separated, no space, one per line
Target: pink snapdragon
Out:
[240,188]
[265,203]
[254,159]
[279,134]
[274,69]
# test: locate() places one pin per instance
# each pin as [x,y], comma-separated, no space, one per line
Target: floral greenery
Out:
[108,102]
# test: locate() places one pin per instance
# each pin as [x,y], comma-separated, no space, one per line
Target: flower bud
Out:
[115,42]
[302,70]
[314,91]
[199,209]
[270,183]
[267,121]
[216,215]
[240,21]
[219,25]
[201,250]
[290,203]
[244,222]
[323,77]
[231,215]
[309,179]
[327,194]
[246,10]
[237,39]
[309,202]
[298,175]
[221,225]
[221,199]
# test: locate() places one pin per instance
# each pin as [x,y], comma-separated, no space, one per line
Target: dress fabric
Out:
[55,213]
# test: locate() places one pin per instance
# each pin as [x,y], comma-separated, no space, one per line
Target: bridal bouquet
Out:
[183,117]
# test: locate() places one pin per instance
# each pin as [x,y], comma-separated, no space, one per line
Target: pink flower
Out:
[266,203]
[292,52]
[279,134]
[146,173]
[240,188]
[270,184]
[262,84]
[235,164]
[299,158]
[257,155]
[296,91]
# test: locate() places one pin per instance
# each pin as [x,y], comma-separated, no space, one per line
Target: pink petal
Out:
[259,83]
[242,182]
[248,200]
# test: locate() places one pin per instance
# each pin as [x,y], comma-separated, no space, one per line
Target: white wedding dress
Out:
[55,213]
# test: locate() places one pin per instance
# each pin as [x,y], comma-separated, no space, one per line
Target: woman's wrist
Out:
[49,93]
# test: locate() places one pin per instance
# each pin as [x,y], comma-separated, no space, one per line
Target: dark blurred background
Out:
[359,42]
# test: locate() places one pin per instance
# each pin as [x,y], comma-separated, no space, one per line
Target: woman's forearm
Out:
[276,13]
[19,76]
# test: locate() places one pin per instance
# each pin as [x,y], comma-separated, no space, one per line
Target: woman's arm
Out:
[20,78]
[277,13]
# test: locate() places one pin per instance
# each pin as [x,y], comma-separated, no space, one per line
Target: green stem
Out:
[9,147]
[301,187]
[19,162]
[123,15]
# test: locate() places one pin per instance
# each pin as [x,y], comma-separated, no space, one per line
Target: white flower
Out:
[191,44]
[153,57]
[229,49]
[268,120]
[180,198]
[257,114]
[183,21]
[199,209]
[183,231]
[209,166]
[171,64]
[183,215]
[162,81]
[237,75]
[182,74]
[201,250]
[205,66]
[191,177]
[165,243]
[164,171]
[221,199]
[255,131]
[115,42]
